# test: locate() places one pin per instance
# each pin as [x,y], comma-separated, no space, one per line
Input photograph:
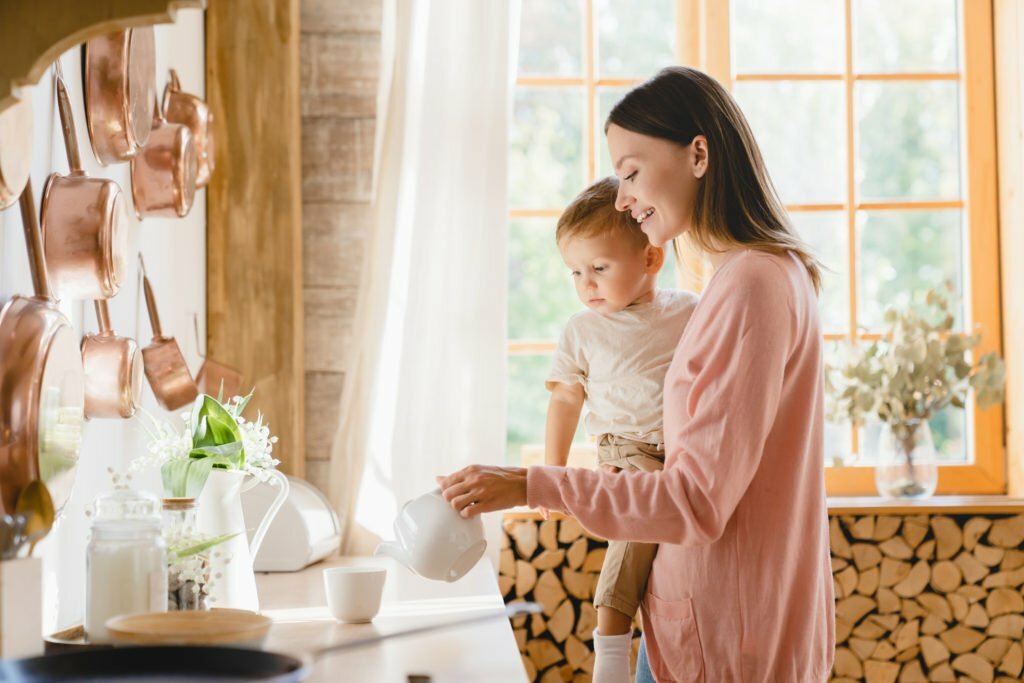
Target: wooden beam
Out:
[254,222]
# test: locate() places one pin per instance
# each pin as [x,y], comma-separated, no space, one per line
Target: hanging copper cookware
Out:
[164,171]
[166,369]
[85,223]
[15,150]
[41,394]
[113,370]
[214,378]
[191,111]
[120,87]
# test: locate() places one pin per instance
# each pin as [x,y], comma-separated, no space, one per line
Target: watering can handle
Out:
[268,517]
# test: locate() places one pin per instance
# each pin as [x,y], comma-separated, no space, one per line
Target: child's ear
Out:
[655,258]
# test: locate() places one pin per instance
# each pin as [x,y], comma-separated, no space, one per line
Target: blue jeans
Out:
[643,668]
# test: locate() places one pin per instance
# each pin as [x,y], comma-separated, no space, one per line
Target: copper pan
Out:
[166,369]
[85,223]
[113,370]
[191,111]
[15,150]
[216,379]
[120,86]
[164,172]
[41,396]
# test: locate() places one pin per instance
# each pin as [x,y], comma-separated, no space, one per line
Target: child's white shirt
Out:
[621,360]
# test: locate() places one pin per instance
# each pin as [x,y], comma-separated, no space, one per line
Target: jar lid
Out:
[179,503]
[125,505]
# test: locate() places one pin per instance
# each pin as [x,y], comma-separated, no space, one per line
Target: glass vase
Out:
[187,578]
[906,465]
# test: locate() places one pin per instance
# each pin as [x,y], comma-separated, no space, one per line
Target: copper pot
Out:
[41,394]
[85,223]
[216,379]
[191,111]
[120,87]
[113,370]
[15,150]
[166,369]
[164,171]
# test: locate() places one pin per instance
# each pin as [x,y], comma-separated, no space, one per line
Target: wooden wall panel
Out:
[254,232]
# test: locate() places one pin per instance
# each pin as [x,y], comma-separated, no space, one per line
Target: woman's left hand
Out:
[484,488]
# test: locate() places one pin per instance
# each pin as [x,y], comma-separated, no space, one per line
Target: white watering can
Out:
[219,512]
[433,540]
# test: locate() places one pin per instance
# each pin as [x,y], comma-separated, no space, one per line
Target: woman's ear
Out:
[699,146]
[655,258]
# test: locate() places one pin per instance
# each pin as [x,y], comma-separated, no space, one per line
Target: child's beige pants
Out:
[626,564]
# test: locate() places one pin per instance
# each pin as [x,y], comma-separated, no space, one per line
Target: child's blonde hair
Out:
[592,214]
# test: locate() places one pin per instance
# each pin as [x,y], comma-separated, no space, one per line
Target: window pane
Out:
[551,38]
[838,435]
[776,37]
[546,156]
[826,234]
[541,296]
[908,142]
[901,254]
[528,403]
[635,38]
[805,117]
[606,99]
[668,278]
[905,36]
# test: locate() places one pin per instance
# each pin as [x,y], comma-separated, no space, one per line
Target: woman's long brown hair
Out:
[736,203]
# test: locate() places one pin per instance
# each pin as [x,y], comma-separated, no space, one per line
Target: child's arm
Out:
[564,409]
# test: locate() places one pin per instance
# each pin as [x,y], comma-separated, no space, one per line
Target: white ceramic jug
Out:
[433,540]
[219,511]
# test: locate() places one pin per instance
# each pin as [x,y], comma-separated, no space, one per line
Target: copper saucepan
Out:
[15,149]
[120,87]
[164,171]
[85,223]
[193,112]
[41,395]
[214,378]
[166,369]
[113,370]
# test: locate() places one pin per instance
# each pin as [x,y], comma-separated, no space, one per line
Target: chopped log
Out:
[888,602]
[839,564]
[843,630]
[897,547]
[932,625]
[884,651]
[847,581]
[926,551]
[549,592]
[886,527]
[569,530]
[1008,626]
[595,560]
[881,672]
[549,559]
[994,649]
[538,625]
[988,555]
[914,532]
[1007,533]
[862,648]
[972,570]
[1004,601]
[912,673]
[505,584]
[977,617]
[943,673]
[886,621]
[503,541]
[576,653]
[933,651]
[587,621]
[531,668]
[946,576]
[972,592]
[544,653]
[961,639]
[526,578]
[561,622]
[507,562]
[868,582]
[974,530]
[847,664]
[864,528]
[908,635]
[960,606]
[549,534]
[520,634]
[577,553]
[936,605]
[579,584]
[866,556]
[948,536]
[975,666]
[868,630]
[837,540]
[853,608]
[893,571]
[915,581]
[1003,579]
[525,534]
[1013,660]
[910,653]
[909,609]
[1012,559]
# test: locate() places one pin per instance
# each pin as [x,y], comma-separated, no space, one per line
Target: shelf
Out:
[34,33]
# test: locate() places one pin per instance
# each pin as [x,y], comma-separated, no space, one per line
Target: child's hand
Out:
[544,513]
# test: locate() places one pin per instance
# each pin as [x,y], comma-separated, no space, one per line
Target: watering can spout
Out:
[393,550]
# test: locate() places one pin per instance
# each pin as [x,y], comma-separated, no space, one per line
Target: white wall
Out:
[175,253]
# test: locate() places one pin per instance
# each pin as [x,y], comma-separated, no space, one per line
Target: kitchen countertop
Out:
[482,651]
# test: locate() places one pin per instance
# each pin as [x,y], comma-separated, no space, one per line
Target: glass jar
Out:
[126,561]
[187,577]
[906,465]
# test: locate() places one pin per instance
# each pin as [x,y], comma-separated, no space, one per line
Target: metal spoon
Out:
[35,504]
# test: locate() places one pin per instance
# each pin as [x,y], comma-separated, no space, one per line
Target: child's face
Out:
[610,272]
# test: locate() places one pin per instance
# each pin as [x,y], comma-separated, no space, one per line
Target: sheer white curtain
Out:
[424,390]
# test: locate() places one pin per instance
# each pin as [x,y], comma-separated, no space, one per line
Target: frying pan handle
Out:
[34,242]
[67,121]
[174,85]
[102,315]
[154,319]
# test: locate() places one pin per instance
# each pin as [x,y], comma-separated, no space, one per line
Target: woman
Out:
[741,587]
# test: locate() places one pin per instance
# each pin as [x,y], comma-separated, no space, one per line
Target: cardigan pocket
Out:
[673,640]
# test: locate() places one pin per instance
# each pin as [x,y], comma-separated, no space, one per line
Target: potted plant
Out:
[918,368]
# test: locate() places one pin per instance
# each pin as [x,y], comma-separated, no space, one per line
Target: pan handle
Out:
[174,85]
[34,242]
[154,319]
[102,315]
[67,120]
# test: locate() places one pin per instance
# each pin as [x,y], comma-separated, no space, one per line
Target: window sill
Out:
[952,505]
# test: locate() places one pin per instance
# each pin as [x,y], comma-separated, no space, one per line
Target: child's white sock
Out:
[611,658]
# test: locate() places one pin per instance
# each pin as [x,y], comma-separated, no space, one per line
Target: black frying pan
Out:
[199,663]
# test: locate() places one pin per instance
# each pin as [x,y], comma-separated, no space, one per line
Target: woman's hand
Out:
[484,488]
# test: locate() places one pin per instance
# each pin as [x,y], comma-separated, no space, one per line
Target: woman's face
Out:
[658,180]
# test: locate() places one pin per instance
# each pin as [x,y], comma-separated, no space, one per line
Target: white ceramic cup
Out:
[354,593]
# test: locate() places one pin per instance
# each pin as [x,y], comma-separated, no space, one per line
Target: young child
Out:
[613,357]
